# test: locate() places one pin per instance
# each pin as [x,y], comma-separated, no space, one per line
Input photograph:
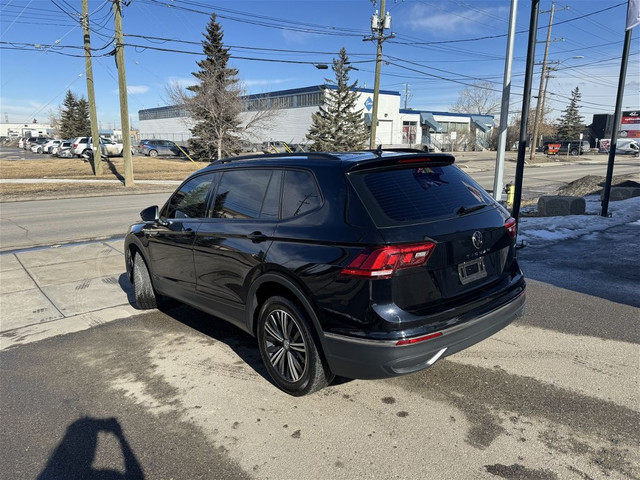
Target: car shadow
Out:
[73,457]
[127,287]
[242,343]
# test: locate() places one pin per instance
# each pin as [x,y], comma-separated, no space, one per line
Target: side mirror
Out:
[150,214]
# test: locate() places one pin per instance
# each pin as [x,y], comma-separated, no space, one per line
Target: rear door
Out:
[231,246]
[439,204]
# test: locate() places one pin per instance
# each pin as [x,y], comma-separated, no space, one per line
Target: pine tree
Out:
[338,126]
[81,118]
[216,103]
[571,123]
[67,115]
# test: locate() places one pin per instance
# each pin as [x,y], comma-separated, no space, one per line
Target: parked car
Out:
[47,147]
[64,146]
[573,147]
[362,264]
[154,148]
[21,142]
[109,148]
[28,143]
[38,145]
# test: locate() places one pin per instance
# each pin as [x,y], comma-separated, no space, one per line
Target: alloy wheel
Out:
[285,345]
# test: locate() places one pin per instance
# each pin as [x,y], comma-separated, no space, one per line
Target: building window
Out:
[409,131]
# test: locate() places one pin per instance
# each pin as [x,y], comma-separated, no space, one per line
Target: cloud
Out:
[297,37]
[137,89]
[19,111]
[423,17]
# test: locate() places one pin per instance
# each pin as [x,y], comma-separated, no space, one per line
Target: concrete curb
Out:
[555,206]
[41,331]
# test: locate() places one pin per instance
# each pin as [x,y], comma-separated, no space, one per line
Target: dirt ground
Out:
[144,168]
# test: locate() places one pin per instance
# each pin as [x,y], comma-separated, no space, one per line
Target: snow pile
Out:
[539,231]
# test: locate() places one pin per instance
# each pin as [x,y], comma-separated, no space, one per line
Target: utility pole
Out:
[378,25]
[406,96]
[542,90]
[95,136]
[122,87]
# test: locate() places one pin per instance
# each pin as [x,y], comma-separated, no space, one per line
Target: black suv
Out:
[362,264]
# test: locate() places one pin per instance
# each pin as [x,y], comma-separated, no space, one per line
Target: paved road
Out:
[47,222]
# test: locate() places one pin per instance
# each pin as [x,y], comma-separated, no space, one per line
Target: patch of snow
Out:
[537,232]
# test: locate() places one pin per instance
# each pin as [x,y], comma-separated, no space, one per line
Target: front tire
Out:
[289,350]
[574,152]
[146,297]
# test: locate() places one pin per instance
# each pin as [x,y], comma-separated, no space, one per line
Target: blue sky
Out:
[40,56]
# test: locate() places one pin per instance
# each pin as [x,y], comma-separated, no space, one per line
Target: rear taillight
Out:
[511,227]
[382,262]
[75,145]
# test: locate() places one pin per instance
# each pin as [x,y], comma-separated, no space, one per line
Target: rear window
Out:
[416,195]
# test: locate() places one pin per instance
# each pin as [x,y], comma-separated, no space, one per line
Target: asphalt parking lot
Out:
[174,393]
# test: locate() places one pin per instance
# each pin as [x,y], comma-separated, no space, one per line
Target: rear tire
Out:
[574,152]
[153,153]
[146,297]
[289,350]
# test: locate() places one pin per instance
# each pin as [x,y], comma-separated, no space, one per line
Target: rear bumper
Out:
[368,359]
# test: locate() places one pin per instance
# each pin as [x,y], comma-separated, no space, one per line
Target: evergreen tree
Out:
[338,126]
[82,122]
[67,115]
[571,123]
[216,103]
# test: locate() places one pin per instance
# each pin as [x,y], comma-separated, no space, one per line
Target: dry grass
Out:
[144,168]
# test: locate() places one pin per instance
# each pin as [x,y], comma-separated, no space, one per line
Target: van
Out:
[624,146]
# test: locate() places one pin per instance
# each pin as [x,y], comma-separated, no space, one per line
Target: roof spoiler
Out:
[404,157]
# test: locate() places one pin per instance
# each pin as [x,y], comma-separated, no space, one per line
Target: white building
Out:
[396,127]
[16,130]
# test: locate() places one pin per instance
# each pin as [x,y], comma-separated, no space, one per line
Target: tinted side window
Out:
[191,200]
[241,193]
[300,193]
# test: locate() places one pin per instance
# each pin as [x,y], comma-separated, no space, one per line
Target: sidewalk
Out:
[69,288]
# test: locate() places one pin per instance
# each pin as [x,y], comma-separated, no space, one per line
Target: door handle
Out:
[257,237]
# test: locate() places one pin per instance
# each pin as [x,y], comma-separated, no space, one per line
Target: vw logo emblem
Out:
[477,240]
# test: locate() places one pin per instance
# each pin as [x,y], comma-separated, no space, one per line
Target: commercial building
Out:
[14,130]
[292,119]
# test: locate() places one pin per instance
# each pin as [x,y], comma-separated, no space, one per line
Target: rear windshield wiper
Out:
[464,210]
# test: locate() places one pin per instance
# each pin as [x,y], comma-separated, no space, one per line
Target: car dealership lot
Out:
[552,396]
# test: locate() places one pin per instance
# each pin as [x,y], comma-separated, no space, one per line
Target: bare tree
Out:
[480,99]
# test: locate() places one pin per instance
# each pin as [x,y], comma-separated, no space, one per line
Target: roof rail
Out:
[310,155]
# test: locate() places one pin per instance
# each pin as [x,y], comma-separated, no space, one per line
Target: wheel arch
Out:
[131,250]
[277,284]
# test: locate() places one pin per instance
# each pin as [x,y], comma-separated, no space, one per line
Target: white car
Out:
[109,148]
[47,147]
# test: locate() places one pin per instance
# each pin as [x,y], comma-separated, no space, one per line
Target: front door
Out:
[170,242]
